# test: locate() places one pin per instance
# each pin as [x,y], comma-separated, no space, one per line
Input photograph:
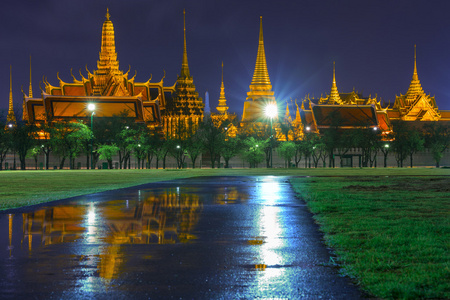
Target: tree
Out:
[34,153]
[23,138]
[194,147]
[286,150]
[5,142]
[253,151]
[69,139]
[437,139]
[213,138]
[106,152]
[232,146]
[368,140]
[400,141]
[415,143]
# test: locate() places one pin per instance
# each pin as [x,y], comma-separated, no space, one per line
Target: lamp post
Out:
[91,107]
[271,111]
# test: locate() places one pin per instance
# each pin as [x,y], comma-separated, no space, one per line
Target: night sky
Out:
[372,43]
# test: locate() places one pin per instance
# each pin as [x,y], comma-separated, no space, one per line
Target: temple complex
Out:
[260,94]
[416,105]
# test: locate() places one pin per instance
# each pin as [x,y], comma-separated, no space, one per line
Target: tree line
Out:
[121,137]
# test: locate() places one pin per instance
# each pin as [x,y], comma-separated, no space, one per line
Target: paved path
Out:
[199,238]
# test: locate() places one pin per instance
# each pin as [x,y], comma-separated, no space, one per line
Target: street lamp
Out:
[91,107]
[271,111]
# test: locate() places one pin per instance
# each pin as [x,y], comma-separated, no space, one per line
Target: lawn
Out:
[22,188]
[390,233]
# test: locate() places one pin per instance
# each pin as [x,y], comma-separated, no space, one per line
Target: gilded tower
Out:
[415,105]
[260,93]
[11,117]
[222,108]
[186,109]
[334,97]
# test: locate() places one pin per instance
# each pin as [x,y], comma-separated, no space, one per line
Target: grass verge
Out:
[391,234]
[23,188]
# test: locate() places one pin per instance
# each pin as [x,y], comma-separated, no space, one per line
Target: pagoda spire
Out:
[222,108]
[30,89]
[334,94]
[184,63]
[108,56]
[415,88]
[260,80]
[10,118]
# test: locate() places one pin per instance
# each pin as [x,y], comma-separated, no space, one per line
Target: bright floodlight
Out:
[308,128]
[91,106]
[271,110]
[375,128]
[386,146]
[10,125]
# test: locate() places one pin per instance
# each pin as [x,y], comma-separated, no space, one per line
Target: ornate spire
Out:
[10,118]
[108,56]
[415,88]
[30,89]
[288,114]
[184,63]
[222,108]
[334,94]
[260,80]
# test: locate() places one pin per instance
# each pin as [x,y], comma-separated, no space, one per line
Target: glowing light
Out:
[386,146]
[10,125]
[308,128]
[375,128]
[271,110]
[91,106]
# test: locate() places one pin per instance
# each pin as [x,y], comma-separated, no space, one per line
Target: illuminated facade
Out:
[349,110]
[112,91]
[260,93]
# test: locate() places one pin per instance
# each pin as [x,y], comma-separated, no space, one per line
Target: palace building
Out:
[114,93]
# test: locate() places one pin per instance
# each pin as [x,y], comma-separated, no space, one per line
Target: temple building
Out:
[260,94]
[111,90]
[345,110]
[186,107]
[416,105]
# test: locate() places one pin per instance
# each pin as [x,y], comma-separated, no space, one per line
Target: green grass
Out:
[22,188]
[391,234]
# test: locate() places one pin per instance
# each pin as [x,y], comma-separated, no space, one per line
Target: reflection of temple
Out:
[161,218]
[114,93]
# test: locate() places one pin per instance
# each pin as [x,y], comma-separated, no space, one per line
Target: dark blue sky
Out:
[372,43]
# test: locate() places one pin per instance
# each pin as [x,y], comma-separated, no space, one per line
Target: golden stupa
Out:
[260,93]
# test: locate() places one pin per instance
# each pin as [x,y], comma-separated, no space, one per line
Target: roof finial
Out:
[222,71]
[107,14]
[30,90]
[184,63]
[334,72]
[261,37]
[334,94]
[415,76]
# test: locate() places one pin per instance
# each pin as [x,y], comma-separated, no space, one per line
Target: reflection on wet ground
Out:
[203,238]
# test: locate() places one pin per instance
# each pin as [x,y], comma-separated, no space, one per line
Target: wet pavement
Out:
[198,238]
